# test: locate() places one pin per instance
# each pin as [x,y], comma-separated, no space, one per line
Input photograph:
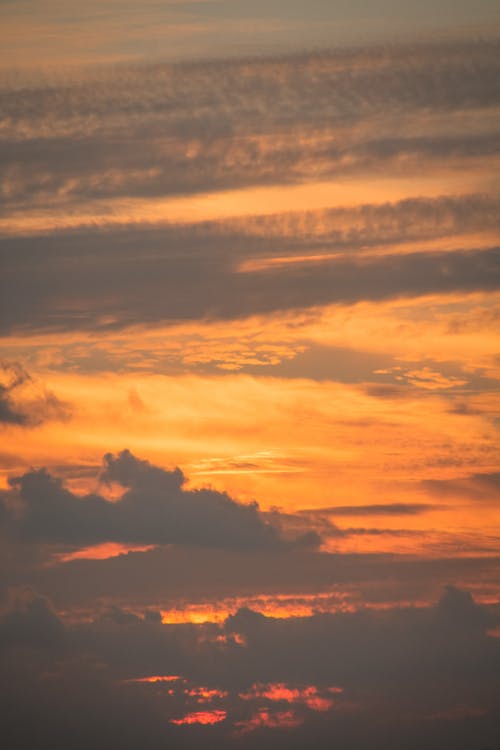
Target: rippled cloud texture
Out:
[249,406]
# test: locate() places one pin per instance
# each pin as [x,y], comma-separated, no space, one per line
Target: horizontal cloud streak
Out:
[443,76]
[155,287]
[480,486]
[391,509]
[153,131]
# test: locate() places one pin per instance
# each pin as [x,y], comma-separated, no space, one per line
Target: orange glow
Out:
[342,425]
[156,678]
[205,695]
[250,201]
[471,241]
[346,601]
[460,327]
[201,717]
[278,606]
[102,551]
[307,695]
[326,451]
[250,346]
[193,614]
[234,638]
[264,718]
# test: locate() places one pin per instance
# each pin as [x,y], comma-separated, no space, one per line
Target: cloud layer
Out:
[353,677]
[280,274]
[148,134]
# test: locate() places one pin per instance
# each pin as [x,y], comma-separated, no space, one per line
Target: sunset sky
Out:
[249,368]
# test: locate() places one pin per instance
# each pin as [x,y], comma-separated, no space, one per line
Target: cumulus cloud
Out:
[154,509]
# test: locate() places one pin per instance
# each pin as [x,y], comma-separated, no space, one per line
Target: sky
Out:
[249,367]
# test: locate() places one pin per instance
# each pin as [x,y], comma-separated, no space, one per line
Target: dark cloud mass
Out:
[155,509]
[347,672]
[155,287]
[8,413]
[78,671]
[24,401]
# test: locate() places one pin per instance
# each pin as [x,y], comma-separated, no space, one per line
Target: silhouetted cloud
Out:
[24,401]
[347,670]
[8,412]
[155,509]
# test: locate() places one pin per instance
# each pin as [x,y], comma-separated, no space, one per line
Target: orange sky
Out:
[249,403]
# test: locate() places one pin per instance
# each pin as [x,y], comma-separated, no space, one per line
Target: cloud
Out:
[459,608]
[24,401]
[194,578]
[346,677]
[389,509]
[161,286]
[481,486]
[259,94]
[112,147]
[8,412]
[150,131]
[154,509]
[29,619]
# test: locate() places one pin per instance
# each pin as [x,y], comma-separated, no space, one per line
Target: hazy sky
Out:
[42,33]
[249,404]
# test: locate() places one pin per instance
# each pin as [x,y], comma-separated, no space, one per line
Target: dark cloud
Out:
[158,286]
[387,390]
[24,401]
[152,130]
[121,616]
[155,509]
[8,411]
[155,131]
[427,675]
[480,486]
[174,575]
[376,531]
[107,167]
[28,619]
[458,608]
